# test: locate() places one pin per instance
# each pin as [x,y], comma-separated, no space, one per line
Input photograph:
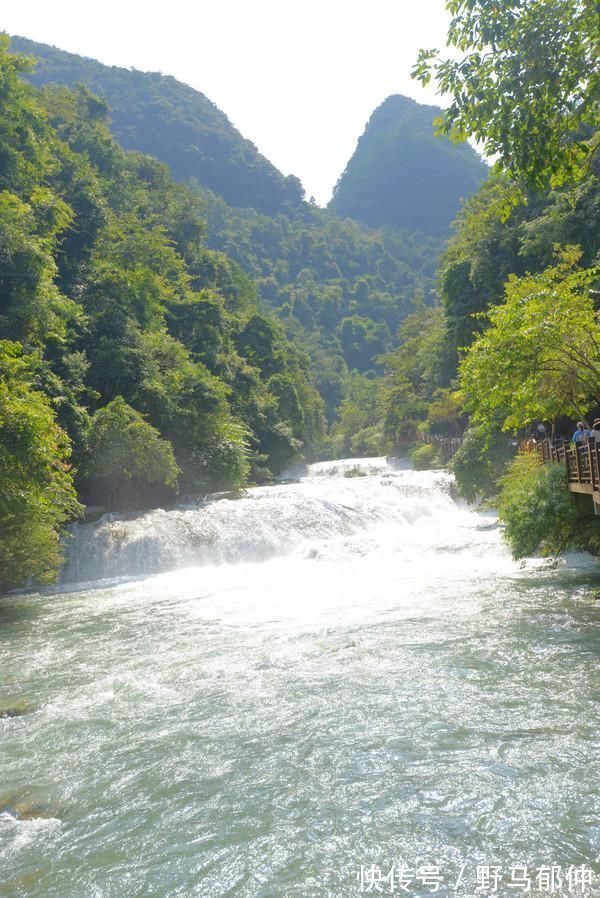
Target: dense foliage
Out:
[189,338]
[519,280]
[480,461]
[538,511]
[341,290]
[36,484]
[525,82]
[539,357]
[402,176]
[124,452]
[149,352]
[184,343]
[491,260]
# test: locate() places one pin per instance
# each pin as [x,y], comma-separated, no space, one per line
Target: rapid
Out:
[317,690]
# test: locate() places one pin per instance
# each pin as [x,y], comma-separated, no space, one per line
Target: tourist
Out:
[595,431]
[581,433]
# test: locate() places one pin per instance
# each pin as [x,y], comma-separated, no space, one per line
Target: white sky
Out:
[299,78]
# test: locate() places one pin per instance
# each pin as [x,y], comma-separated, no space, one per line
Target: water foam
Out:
[334,500]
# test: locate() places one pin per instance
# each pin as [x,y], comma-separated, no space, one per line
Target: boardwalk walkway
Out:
[582,461]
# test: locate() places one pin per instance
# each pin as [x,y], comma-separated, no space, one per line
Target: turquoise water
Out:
[353,676]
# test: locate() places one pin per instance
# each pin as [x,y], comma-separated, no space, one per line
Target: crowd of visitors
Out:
[582,432]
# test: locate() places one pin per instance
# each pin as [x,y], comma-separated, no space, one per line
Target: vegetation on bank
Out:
[339,288]
[520,330]
[539,512]
[132,358]
[37,494]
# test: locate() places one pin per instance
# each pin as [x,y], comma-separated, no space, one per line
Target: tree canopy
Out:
[526,83]
[339,287]
[37,494]
[124,451]
[139,346]
[540,355]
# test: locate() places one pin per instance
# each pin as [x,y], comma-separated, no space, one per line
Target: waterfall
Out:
[331,501]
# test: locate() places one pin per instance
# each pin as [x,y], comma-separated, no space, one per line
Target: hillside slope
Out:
[402,175]
[163,117]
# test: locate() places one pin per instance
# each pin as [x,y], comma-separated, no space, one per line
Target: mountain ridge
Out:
[402,175]
[164,117]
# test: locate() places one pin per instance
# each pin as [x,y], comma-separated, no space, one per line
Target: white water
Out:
[341,672]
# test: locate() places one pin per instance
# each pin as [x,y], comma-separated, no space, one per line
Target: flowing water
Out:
[314,691]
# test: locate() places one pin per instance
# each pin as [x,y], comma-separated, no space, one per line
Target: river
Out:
[324,689]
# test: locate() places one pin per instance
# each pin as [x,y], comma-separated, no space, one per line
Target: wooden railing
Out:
[582,461]
[446,446]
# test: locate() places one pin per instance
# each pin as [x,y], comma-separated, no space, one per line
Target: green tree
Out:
[412,374]
[445,413]
[480,461]
[359,430]
[540,356]
[32,308]
[526,83]
[539,513]
[125,453]
[36,481]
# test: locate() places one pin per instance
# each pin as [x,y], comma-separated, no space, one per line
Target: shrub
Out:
[538,511]
[480,461]
[425,456]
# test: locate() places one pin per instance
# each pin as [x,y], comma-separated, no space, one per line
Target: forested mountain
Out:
[401,175]
[339,287]
[159,115]
[134,362]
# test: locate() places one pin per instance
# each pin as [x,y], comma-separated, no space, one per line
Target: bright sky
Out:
[299,78]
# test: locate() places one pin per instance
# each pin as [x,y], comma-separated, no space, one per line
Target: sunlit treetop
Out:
[524,80]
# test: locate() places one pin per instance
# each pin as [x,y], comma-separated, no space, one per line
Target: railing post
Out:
[570,462]
[589,459]
[577,463]
[561,452]
[595,465]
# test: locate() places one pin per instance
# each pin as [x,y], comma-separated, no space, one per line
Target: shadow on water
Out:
[24,602]
[16,610]
[20,611]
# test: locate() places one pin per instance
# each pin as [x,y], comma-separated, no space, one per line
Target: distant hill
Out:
[402,175]
[159,115]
